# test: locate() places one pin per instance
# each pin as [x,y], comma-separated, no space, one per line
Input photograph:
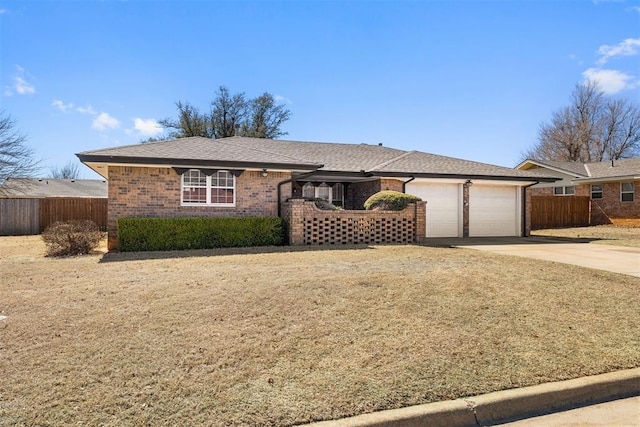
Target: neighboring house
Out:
[29,205]
[240,176]
[612,186]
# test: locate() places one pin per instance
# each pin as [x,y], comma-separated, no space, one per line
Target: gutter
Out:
[404,184]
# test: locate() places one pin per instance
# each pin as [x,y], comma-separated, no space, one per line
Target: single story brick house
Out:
[613,186]
[240,176]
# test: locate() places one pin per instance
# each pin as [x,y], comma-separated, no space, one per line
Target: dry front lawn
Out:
[620,235]
[290,336]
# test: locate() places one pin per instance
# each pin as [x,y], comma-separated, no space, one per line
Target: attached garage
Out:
[494,207]
[494,210]
[444,206]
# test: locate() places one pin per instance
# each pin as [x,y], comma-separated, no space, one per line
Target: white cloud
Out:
[147,127]
[280,98]
[104,121]
[610,81]
[62,106]
[20,83]
[627,47]
[87,110]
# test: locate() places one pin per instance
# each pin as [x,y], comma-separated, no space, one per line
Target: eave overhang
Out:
[466,176]
[93,160]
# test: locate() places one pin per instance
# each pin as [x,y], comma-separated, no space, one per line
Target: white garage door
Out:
[493,211]
[443,207]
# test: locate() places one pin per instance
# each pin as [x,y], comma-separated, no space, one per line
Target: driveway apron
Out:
[618,259]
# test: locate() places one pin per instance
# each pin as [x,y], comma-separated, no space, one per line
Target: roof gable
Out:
[622,168]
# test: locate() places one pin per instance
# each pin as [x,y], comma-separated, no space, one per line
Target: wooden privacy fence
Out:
[33,216]
[560,211]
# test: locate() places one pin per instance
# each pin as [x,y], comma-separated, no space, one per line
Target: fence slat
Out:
[557,211]
[19,217]
[67,209]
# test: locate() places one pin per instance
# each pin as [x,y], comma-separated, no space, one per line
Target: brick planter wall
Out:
[308,225]
[155,192]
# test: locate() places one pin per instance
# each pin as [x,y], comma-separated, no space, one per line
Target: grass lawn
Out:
[620,235]
[290,336]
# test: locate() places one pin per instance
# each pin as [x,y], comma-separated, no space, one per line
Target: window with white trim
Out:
[596,191]
[626,191]
[564,191]
[200,189]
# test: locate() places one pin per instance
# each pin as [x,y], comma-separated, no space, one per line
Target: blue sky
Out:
[468,79]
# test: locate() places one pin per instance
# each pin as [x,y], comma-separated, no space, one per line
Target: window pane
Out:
[337,193]
[308,191]
[322,192]
[221,195]
[194,178]
[569,190]
[194,195]
[596,187]
[627,186]
[558,190]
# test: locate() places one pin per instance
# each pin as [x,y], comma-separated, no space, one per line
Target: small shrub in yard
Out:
[77,237]
[390,201]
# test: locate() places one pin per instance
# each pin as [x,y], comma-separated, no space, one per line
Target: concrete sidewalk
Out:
[521,404]
[617,259]
[619,413]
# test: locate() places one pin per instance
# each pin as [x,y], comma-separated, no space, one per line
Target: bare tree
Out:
[230,114]
[68,171]
[592,129]
[16,159]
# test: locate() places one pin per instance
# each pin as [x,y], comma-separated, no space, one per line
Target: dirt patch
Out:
[280,336]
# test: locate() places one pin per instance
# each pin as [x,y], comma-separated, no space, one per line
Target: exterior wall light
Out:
[264,172]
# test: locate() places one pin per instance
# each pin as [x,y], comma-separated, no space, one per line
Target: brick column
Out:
[465,210]
[293,213]
[421,222]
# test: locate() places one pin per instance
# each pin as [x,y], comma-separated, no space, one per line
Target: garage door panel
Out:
[493,211]
[443,208]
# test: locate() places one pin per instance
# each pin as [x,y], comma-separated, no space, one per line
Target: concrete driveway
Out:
[618,259]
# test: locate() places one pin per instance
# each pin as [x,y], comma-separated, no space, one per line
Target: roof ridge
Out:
[388,162]
[266,151]
[586,167]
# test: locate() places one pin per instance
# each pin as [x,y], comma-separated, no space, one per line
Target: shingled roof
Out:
[37,188]
[323,157]
[622,168]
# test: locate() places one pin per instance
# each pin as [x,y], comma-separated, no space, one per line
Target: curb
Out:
[504,406]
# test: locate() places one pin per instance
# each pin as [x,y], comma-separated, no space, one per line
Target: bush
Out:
[390,201]
[77,237]
[164,234]
[325,205]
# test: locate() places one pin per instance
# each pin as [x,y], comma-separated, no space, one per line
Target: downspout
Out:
[404,184]
[524,208]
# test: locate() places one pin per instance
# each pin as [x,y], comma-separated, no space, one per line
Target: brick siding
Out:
[155,192]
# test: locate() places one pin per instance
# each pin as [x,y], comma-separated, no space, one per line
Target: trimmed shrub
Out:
[325,205]
[164,234]
[77,237]
[389,201]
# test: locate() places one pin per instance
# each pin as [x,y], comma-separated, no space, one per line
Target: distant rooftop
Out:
[26,188]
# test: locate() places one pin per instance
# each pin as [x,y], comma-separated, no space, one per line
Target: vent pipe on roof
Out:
[612,165]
